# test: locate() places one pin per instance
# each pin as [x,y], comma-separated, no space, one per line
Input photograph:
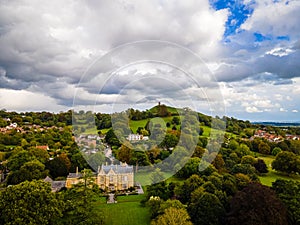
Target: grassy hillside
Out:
[272,175]
[170,109]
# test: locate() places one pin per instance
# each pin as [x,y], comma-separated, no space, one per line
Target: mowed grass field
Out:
[135,124]
[128,211]
[144,177]
[273,175]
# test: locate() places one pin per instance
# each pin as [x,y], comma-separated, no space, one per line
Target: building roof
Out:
[48,179]
[57,185]
[43,147]
[74,175]
[118,169]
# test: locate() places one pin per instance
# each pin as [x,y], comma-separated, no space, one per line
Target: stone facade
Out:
[110,177]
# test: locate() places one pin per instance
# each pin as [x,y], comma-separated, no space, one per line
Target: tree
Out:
[57,168]
[276,150]
[33,170]
[184,191]
[264,148]
[229,184]
[79,207]
[77,160]
[248,159]
[170,203]
[261,166]
[245,169]
[289,193]
[233,144]
[29,203]
[173,216]
[218,162]
[66,160]
[88,178]
[16,161]
[154,203]
[159,189]
[170,140]
[176,120]
[111,138]
[286,162]
[243,150]
[256,204]
[205,208]
[242,180]
[39,154]
[125,153]
[190,168]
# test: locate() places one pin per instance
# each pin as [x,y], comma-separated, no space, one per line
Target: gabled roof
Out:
[48,179]
[57,185]
[118,169]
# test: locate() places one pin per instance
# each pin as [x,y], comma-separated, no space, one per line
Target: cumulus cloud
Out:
[46,48]
[279,18]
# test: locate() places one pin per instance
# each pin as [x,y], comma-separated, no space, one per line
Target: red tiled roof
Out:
[43,147]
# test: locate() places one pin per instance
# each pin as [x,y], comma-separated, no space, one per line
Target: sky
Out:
[236,58]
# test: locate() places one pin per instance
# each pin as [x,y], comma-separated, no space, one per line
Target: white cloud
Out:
[294,110]
[252,109]
[18,99]
[278,18]
[45,48]
[280,51]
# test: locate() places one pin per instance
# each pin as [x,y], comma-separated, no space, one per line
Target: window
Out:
[125,178]
[111,179]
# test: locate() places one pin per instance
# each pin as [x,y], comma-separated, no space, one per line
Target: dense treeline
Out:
[39,118]
[215,184]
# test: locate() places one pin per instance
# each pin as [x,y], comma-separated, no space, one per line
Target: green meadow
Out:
[128,210]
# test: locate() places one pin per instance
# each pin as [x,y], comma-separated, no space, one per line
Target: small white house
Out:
[135,137]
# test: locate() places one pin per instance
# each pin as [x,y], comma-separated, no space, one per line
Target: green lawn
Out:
[91,131]
[127,211]
[175,180]
[144,177]
[130,198]
[135,124]
[207,130]
[273,175]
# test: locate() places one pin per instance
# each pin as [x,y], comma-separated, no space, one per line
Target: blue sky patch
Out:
[238,14]
[260,38]
[283,38]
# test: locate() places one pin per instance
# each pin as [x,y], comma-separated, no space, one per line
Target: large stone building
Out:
[110,177]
